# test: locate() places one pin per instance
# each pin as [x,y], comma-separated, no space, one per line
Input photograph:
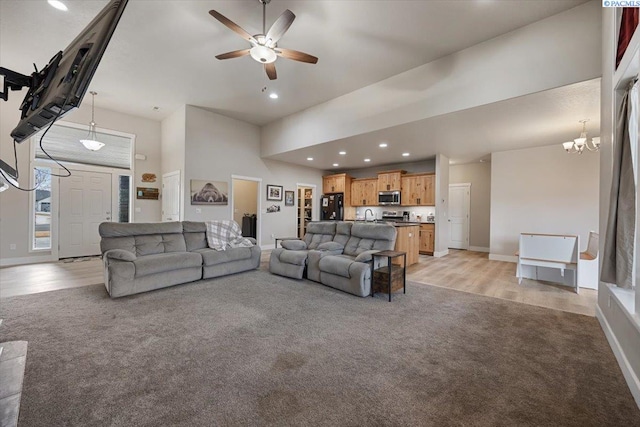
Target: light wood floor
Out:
[473,272]
[462,270]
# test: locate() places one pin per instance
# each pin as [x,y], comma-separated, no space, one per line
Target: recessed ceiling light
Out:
[309,158]
[367,160]
[342,153]
[335,164]
[383,145]
[406,154]
[273,95]
[58,5]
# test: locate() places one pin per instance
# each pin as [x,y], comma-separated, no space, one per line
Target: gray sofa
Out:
[147,256]
[342,262]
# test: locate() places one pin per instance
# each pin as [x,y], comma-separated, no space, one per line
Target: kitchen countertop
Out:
[397,223]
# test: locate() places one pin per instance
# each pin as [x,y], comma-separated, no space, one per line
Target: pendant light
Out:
[91,142]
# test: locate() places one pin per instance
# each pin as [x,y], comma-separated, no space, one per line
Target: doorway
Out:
[245,205]
[459,207]
[171,196]
[85,202]
[305,208]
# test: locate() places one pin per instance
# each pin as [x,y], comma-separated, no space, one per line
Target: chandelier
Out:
[579,144]
[91,141]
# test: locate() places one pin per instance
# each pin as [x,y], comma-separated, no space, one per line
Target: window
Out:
[42,209]
[62,142]
[124,198]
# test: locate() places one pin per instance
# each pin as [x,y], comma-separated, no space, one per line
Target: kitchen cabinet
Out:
[418,190]
[408,241]
[364,192]
[427,238]
[338,183]
[390,180]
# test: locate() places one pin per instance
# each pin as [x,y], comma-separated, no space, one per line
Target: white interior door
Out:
[171,196]
[459,203]
[85,202]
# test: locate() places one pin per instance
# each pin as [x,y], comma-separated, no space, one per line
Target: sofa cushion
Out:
[160,263]
[294,245]
[319,232]
[159,243]
[366,237]
[294,257]
[212,257]
[336,264]
[195,235]
[330,246]
[343,232]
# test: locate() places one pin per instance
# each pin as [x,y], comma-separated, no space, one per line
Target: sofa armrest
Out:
[120,254]
[366,256]
[294,244]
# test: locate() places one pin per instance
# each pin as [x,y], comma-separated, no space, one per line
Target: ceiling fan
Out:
[264,47]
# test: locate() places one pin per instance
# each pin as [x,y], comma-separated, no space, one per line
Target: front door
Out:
[85,202]
[459,201]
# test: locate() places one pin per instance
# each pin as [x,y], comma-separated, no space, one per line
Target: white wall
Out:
[172,147]
[14,204]
[218,147]
[442,206]
[479,175]
[622,332]
[487,72]
[542,190]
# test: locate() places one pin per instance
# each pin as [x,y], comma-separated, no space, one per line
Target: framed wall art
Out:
[209,192]
[274,192]
[289,198]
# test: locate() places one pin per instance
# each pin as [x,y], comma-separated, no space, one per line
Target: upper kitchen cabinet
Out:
[338,183]
[418,190]
[390,180]
[364,192]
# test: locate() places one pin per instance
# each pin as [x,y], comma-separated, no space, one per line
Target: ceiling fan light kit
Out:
[264,48]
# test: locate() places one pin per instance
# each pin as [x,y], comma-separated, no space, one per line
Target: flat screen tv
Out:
[60,86]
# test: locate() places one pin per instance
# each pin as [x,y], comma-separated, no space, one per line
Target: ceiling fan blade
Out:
[296,55]
[234,54]
[271,70]
[232,25]
[281,26]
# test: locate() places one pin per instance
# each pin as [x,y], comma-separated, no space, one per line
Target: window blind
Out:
[63,144]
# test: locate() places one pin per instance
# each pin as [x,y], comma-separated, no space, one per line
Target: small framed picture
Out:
[274,192]
[289,198]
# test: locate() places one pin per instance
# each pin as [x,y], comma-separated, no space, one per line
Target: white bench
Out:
[548,250]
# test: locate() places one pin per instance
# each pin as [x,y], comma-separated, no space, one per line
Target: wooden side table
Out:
[393,276]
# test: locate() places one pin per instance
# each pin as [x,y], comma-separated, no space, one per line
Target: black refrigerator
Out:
[332,207]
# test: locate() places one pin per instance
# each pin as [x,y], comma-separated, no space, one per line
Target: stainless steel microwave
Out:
[389,198]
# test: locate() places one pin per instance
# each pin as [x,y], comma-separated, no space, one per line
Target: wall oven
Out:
[389,198]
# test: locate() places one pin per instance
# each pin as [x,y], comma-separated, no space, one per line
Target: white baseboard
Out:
[441,253]
[6,262]
[632,379]
[506,258]
[478,249]
[267,247]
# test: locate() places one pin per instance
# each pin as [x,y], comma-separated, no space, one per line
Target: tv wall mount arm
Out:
[13,81]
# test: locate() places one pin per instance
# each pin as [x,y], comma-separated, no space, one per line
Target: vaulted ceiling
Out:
[162,53]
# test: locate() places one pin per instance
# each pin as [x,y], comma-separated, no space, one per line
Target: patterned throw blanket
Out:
[225,234]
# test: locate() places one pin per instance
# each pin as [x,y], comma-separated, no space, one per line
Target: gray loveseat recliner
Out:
[344,262]
[140,257]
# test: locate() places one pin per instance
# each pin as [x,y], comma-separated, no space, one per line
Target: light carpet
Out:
[258,349]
